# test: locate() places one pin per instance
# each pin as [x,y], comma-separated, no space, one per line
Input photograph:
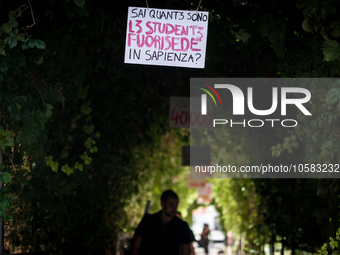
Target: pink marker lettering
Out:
[167,39]
[157,41]
[140,43]
[174,43]
[150,28]
[167,31]
[130,27]
[193,29]
[177,30]
[183,39]
[194,42]
[130,38]
[147,43]
[139,26]
[199,31]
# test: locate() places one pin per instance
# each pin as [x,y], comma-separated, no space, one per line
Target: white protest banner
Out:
[166,37]
[184,115]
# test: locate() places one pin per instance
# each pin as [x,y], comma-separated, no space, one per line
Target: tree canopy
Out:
[86,137]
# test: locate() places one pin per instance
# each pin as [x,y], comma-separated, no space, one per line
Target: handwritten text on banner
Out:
[166,37]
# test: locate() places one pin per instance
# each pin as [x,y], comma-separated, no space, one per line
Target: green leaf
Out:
[78,166]
[24,46]
[36,43]
[331,50]
[83,93]
[80,3]
[324,33]
[285,145]
[49,106]
[5,177]
[276,151]
[66,169]
[15,23]
[12,42]
[7,27]
[54,165]
[88,129]
[329,147]
[88,143]
[7,39]
[94,149]
[40,44]
[2,166]
[242,36]
[289,149]
[64,154]
[86,159]
[20,37]
[306,26]
[31,43]
[295,144]
[338,232]
[326,148]
[2,52]
[85,109]
[48,113]
[265,29]
[331,96]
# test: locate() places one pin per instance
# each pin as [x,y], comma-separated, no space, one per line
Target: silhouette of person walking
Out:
[204,238]
[162,232]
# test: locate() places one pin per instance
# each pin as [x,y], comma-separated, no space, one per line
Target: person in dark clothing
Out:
[204,238]
[162,232]
[192,237]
